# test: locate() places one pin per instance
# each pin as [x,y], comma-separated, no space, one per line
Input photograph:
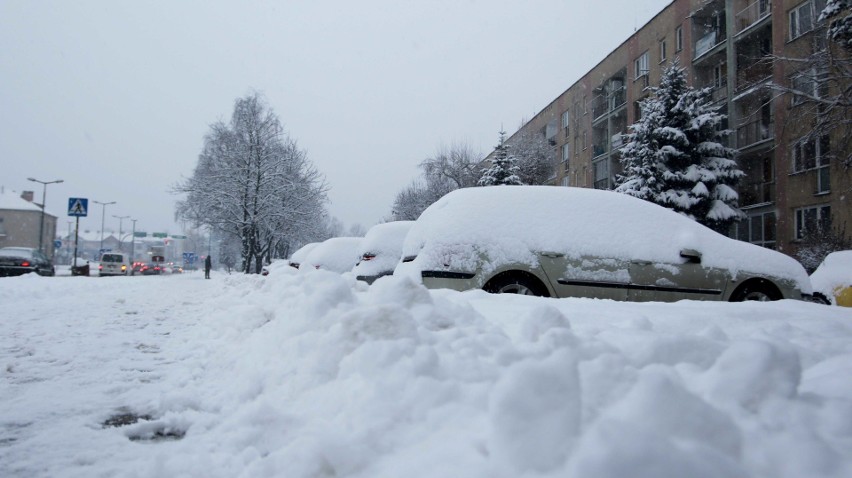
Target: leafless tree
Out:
[252,182]
[452,167]
[819,88]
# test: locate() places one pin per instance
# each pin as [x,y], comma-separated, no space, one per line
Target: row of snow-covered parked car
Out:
[564,242]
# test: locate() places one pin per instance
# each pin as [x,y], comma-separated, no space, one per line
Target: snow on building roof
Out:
[13,201]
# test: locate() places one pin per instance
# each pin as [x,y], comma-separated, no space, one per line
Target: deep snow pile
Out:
[312,374]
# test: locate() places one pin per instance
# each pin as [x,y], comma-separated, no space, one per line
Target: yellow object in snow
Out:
[843,296]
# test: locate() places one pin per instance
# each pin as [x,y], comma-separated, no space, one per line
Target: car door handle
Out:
[553,254]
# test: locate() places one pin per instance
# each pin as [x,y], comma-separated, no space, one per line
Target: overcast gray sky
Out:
[115,97]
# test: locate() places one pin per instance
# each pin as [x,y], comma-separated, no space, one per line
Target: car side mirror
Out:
[691,255]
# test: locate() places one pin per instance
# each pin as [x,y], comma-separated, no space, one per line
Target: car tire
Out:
[759,290]
[820,298]
[516,283]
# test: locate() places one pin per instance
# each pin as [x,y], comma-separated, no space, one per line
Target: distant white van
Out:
[114,264]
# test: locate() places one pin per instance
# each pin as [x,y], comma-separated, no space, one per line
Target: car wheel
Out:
[757,290]
[520,284]
[820,298]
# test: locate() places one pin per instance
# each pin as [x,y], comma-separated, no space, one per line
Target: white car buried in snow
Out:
[573,242]
[338,254]
[381,250]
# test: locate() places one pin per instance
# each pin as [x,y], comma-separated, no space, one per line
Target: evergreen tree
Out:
[674,156]
[504,167]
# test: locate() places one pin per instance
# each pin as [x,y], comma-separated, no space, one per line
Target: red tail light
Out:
[368,257]
[25,264]
[100,267]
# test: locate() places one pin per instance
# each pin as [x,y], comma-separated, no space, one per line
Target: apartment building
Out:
[734,47]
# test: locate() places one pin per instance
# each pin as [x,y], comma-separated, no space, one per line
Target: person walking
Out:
[208,263]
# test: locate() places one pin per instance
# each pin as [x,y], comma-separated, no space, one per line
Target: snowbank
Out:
[306,375]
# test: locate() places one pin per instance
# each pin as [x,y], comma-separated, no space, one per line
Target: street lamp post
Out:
[133,243]
[43,199]
[120,222]
[103,215]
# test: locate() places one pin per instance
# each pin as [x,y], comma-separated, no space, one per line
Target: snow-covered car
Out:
[15,261]
[832,280]
[297,257]
[338,254]
[381,250]
[575,242]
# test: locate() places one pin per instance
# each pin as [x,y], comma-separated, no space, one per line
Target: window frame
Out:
[641,60]
[821,218]
[663,50]
[678,38]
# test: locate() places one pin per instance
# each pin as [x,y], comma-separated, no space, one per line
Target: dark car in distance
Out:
[16,261]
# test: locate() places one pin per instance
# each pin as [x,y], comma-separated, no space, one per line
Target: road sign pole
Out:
[76,235]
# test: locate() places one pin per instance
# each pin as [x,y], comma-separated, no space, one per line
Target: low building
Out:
[21,221]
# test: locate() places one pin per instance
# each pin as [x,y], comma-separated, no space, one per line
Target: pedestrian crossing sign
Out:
[78,207]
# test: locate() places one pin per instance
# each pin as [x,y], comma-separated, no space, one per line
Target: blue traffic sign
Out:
[57,243]
[78,207]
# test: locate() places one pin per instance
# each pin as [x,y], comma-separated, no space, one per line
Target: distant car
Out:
[575,242]
[832,280]
[338,254]
[152,268]
[114,264]
[15,261]
[381,250]
[297,257]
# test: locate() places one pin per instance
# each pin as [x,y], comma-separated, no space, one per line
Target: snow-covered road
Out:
[312,374]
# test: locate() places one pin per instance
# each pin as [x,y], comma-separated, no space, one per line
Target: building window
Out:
[662,51]
[803,18]
[811,219]
[2,228]
[585,105]
[806,83]
[584,141]
[809,154]
[678,39]
[720,75]
[566,180]
[758,229]
[566,154]
[640,66]
[566,121]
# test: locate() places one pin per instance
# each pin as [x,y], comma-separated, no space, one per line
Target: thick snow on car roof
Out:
[507,222]
[835,271]
[385,242]
[338,254]
[300,254]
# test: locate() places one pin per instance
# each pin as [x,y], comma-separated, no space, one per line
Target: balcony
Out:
[598,150]
[752,15]
[754,132]
[607,103]
[718,90]
[707,43]
[754,74]
[757,193]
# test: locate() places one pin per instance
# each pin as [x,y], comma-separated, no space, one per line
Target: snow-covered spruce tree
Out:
[504,167]
[674,156]
[839,17]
